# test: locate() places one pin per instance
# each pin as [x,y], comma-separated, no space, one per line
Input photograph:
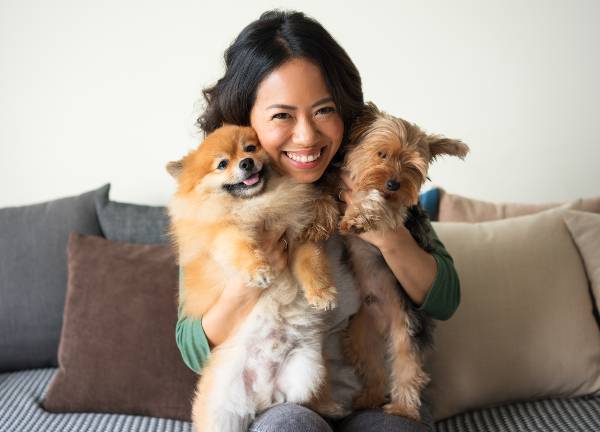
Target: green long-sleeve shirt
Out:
[440,303]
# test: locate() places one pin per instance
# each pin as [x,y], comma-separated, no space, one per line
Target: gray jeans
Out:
[296,418]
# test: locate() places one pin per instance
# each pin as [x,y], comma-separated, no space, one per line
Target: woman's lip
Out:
[305,152]
[303,165]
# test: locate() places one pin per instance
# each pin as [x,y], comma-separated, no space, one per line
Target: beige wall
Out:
[107,91]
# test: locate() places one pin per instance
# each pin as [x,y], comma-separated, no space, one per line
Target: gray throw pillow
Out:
[33,276]
[132,223]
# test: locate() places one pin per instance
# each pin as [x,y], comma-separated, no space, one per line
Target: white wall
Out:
[107,91]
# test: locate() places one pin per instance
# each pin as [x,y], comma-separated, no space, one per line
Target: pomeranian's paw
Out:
[262,277]
[410,412]
[325,221]
[322,299]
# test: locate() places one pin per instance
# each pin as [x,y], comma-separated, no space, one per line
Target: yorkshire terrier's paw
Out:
[410,412]
[328,408]
[322,299]
[261,278]
[367,400]
[355,225]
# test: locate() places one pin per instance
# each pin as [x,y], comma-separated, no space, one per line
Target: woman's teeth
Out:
[303,158]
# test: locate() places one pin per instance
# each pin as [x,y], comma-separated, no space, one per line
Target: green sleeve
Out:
[190,337]
[443,297]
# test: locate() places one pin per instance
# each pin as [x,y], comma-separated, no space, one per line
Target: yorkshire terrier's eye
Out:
[223,164]
[250,149]
[381,154]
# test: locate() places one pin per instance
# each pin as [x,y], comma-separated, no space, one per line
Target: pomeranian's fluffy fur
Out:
[227,194]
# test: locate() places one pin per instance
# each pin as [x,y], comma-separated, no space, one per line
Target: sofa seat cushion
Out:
[21,393]
[20,410]
[557,415]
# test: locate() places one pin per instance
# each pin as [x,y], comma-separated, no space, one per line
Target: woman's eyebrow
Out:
[292,107]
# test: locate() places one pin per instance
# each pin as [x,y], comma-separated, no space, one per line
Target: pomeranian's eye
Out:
[381,154]
[223,164]
[250,149]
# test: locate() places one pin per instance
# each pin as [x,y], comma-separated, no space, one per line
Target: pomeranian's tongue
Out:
[251,180]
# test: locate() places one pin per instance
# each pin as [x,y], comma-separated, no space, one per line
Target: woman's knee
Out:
[377,420]
[289,417]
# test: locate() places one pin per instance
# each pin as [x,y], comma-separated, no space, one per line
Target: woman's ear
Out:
[438,145]
[174,168]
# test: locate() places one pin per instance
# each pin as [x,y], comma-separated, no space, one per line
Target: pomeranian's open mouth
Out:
[248,185]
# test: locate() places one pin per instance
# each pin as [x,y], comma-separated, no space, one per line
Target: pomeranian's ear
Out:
[174,168]
[439,145]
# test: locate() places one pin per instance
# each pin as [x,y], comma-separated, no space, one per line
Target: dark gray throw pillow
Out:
[33,276]
[132,223]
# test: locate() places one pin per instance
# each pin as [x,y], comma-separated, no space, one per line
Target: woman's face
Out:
[296,120]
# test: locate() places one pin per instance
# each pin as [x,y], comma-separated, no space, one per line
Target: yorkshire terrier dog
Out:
[227,192]
[387,159]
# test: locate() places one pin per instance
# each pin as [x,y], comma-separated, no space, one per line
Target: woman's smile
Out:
[304,159]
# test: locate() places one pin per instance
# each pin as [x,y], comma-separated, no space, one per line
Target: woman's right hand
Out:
[237,299]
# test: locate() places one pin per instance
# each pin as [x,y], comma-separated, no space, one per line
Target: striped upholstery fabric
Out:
[21,393]
[551,415]
[20,410]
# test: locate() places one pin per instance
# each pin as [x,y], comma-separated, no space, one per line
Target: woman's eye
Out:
[326,110]
[281,116]
[223,164]
[250,149]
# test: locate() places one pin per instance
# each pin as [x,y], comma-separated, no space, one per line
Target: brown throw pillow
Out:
[457,208]
[525,327]
[117,351]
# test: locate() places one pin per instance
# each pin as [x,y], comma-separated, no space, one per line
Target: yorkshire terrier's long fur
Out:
[227,191]
[387,160]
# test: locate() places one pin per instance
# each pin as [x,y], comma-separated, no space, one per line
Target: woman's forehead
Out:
[297,83]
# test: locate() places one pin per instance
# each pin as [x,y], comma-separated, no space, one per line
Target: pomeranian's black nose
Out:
[247,164]
[392,185]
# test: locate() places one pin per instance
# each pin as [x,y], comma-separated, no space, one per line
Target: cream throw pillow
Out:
[457,208]
[585,229]
[524,328]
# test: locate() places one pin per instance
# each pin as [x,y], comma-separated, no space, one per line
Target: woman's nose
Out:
[305,133]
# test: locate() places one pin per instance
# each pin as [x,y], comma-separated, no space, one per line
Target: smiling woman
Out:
[289,80]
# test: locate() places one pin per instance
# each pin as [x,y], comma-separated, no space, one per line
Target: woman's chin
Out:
[304,175]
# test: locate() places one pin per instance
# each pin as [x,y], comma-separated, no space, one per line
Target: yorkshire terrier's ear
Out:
[364,121]
[439,145]
[174,168]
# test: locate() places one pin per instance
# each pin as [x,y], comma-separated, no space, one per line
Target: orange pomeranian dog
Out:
[227,192]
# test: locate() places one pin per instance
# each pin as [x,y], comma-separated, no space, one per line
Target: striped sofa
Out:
[21,393]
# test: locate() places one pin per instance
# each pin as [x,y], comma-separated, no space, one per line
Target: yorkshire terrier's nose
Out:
[247,164]
[392,185]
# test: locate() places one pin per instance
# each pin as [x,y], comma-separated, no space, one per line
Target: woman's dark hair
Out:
[265,44]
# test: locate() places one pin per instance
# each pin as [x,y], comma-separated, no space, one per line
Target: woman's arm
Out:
[430,280]
[196,337]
